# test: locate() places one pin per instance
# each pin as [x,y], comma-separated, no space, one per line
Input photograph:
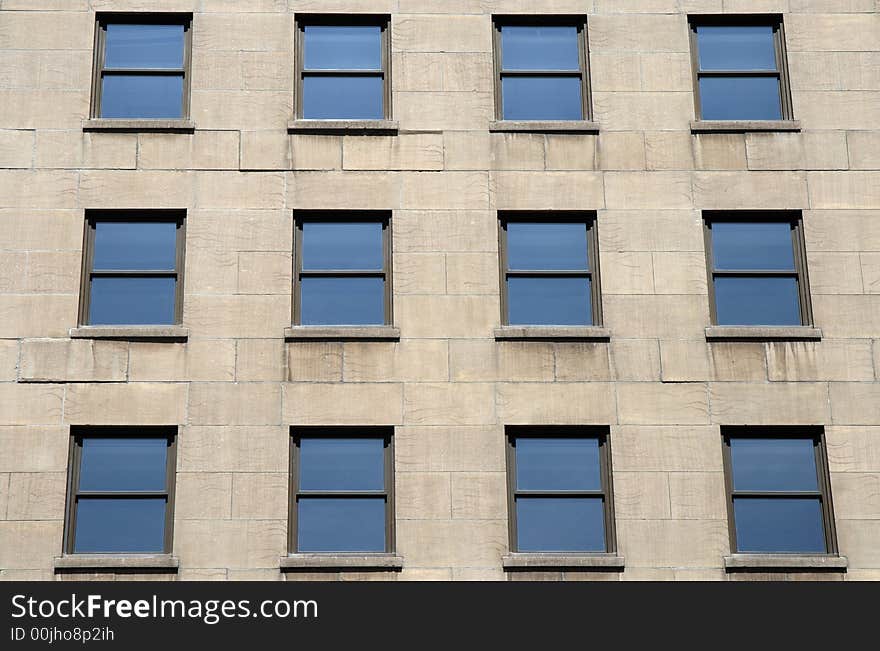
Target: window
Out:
[341,482]
[739,65]
[342,68]
[757,269]
[121,490]
[541,66]
[342,269]
[549,273]
[142,66]
[778,490]
[560,490]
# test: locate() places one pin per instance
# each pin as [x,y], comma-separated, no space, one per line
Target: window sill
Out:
[552,333]
[543,126]
[131,563]
[162,126]
[773,562]
[131,333]
[341,562]
[342,333]
[744,126]
[345,127]
[537,561]
[763,333]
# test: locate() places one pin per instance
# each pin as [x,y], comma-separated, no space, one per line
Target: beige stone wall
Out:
[448,387]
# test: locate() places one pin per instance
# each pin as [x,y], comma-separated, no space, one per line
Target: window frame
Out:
[798,243]
[606,494]
[102,19]
[823,480]
[537,20]
[74,467]
[297,433]
[786,110]
[92,217]
[589,219]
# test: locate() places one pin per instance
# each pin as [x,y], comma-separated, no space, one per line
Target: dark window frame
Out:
[383,21]
[814,432]
[589,219]
[537,20]
[376,216]
[88,272]
[102,19]
[80,432]
[735,20]
[297,433]
[606,494]
[798,243]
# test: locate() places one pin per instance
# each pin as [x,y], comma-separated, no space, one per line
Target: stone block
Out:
[756,190]
[260,496]
[570,152]
[452,543]
[583,362]
[485,360]
[53,272]
[419,273]
[75,149]
[31,404]
[645,404]
[673,543]
[856,495]
[857,540]
[441,33]
[135,189]
[443,111]
[316,152]
[16,147]
[313,362]
[29,544]
[236,190]
[853,448]
[835,273]
[59,360]
[720,151]
[417,151]
[697,361]
[516,151]
[243,316]
[840,361]
[265,150]
[622,111]
[264,272]
[634,360]
[57,189]
[212,403]
[855,403]
[864,149]
[561,404]
[641,496]
[205,361]
[34,315]
[34,449]
[420,231]
[786,151]
[847,315]
[627,272]
[647,190]
[466,150]
[652,230]
[447,316]
[547,190]
[479,496]
[250,544]
[365,404]
[422,495]
[125,404]
[202,495]
[666,448]
[622,150]
[666,316]
[452,404]
[233,449]
[445,448]
[795,403]
[36,496]
[446,191]
[411,360]
[855,190]
[697,496]
[342,190]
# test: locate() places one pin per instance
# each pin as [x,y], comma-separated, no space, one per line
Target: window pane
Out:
[549,301]
[341,97]
[542,98]
[547,245]
[341,464]
[560,524]
[752,245]
[761,464]
[342,245]
[144,46]
[557,464]
[539,48]
[142,96]
[342,301]
[123,464]
[341,525]
[132,301]
[779,525]
[333,47]
[746,47]
[120,525]
[740,98]
[757,301]
[135,245]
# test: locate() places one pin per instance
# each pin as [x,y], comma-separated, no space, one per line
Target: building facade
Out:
[440,289]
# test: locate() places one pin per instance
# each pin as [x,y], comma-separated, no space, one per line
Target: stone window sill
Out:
[744,126]
[131,563]
[131,333]
[342,333]
[341,563]
[763,333]
[785,562]
[345,127]
[552,333]
[544,126]
[533,561]
[161,126]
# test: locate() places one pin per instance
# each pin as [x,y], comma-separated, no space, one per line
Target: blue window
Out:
[143,68]
[778,491]
[343,491]
[121,482]
[559,490]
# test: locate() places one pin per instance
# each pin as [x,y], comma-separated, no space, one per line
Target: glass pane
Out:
[343,98]
[557,464]
[342,245]
[752,245]
[539,48]
[341,464]
[547,246]
[123,464]
[135,245]
[542,98]
[773,464]
[740,98]
[757,301]
[144,46]
[549,301]
[779,525]
[341,524]
[342,301]
[333,47]
[142,96]
[120,525]
[560,524]
[745,47]
[132,301]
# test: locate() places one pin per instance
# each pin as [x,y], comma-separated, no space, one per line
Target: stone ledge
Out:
[543,126]
[771,562]
[131,333]
[744,126]
[763,333]
[342,333]
[341,562]
[166,126]
[533,561]
[346,127]
[132,563]
[552,333]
